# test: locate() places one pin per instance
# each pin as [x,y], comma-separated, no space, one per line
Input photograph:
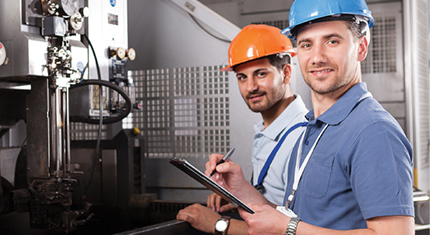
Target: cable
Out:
[101,120]
[99,136]
[221,39]
[102,83]
[95,57]
[110,120]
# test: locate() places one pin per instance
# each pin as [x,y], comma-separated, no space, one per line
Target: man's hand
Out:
[265,220]
[230,176]
[216,203]
[200,217]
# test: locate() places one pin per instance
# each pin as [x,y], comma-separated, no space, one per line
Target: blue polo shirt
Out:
[361,167]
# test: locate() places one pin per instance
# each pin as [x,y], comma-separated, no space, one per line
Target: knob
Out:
[131,54]
[85,11]
[119,52]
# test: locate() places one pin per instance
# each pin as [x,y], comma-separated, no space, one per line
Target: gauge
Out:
[68,7]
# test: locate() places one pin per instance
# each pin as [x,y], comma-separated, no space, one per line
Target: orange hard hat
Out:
[256,41]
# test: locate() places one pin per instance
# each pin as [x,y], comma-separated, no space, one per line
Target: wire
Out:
[102,83]
[110,120]
[195,20]
[101,120]
[99,136]
[95,57]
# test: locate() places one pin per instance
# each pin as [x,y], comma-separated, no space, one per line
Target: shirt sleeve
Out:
[380,168]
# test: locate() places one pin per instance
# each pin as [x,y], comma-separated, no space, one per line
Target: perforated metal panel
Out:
[83,131]
[382,49]
[185,111]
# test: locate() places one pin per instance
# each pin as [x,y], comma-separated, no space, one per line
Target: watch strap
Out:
[292,225]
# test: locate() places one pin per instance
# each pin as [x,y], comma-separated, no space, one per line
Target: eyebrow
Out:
[240,74]
[332,35]
[254,72]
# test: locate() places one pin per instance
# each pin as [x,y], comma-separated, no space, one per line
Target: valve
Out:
[119,52]
[77,20]
[131,54]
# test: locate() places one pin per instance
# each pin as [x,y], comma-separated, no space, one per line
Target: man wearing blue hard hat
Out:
[352,173]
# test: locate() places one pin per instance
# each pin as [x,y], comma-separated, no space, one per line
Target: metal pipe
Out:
[67,129]
[64,131]
[58,129]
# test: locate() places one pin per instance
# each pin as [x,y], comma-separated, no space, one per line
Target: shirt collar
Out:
[274,130]
[341,109]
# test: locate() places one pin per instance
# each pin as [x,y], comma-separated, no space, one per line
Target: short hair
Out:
[356,28]
[278,60]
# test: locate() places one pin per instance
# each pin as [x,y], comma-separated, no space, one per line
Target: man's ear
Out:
[286,71]
[362,48]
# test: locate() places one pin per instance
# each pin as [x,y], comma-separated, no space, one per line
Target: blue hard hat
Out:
[303,11]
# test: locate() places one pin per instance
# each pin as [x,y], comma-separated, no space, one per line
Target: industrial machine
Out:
[51,76]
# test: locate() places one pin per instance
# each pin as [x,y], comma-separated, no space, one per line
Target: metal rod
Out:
[64,131]
[67,127]
[58,131]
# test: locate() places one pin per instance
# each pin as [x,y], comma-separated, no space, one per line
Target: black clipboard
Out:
[195,173]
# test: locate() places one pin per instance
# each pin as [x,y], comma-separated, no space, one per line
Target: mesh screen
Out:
[381,56]
[185,111]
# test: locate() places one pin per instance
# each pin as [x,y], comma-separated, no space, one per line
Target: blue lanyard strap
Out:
[275,150]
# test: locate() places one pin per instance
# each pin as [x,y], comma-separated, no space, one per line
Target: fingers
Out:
[211,164]
[214,202]
[243,213]
[185,216]
[210,202]
[217,202]
[227,207]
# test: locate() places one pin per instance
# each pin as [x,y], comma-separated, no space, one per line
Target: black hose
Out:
[94,54]
[99,136]
[101,120]
[111,85]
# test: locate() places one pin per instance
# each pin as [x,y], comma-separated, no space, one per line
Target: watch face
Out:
[221,225]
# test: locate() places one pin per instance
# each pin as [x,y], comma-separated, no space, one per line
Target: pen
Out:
[225,158]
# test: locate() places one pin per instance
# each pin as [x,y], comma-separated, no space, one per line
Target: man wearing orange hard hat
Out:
[260,56]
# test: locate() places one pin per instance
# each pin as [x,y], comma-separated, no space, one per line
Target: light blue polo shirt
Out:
[264,142]
[361,167]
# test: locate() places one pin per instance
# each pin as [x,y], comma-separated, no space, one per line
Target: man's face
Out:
[329,56]
[260,83]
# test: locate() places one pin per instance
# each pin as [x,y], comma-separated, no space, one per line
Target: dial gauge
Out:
[68,7]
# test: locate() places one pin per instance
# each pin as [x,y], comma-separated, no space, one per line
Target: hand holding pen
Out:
[225,158]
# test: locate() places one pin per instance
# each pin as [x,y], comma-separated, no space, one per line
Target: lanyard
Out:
[299,170]
[273,153]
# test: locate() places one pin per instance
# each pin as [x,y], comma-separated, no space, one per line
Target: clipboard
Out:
[195,173]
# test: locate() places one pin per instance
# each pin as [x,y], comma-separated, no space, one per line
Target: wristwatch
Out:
[292,225]
[221,225]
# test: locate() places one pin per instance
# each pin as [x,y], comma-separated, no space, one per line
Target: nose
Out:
[251,85]
[318,54]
